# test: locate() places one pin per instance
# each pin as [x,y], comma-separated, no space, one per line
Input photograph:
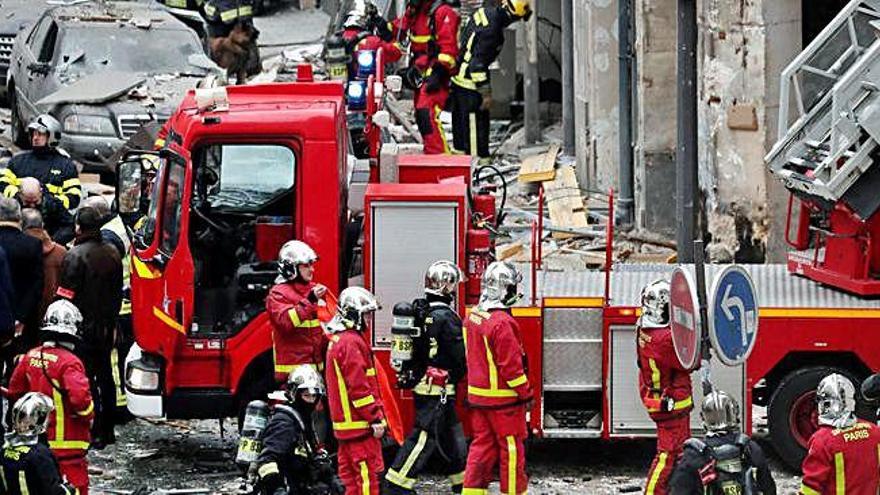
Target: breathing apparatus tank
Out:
[256,417]
[406,334]
[336,58]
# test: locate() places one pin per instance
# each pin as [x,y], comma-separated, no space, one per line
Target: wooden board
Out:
[540,167]
[565,203]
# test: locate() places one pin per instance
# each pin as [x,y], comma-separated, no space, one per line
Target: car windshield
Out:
[127,48]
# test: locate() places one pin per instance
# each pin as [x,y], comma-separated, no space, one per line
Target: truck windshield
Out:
[249,175]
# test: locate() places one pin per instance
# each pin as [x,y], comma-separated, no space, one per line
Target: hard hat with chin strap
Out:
[442,278]
[518,8]
[47,124]
[291,255]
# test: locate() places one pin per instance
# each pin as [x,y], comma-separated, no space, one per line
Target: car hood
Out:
[150,91]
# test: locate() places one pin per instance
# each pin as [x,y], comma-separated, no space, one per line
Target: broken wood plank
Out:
[563,196]
[540,167]
[508,250]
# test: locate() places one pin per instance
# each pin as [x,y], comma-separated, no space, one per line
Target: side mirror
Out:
[129,186]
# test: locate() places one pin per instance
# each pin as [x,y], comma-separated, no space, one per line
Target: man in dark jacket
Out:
[91,277]
[57,220]
[25,257]
[7,312]
[726,461]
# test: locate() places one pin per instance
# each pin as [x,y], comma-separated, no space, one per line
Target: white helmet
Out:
[291,255]
[357,16]
[30,414]
[836,399]
[655,305]
[62,318]
[442,278]
[500,286]
[47,124]
[304,378]
[720,413]
[354,304]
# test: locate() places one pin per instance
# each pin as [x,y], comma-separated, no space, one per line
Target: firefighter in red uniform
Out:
[365,29]
[498,389]
[292,304]
[353,393]
[843,453]
[432,27]
[664,385]
[54,370]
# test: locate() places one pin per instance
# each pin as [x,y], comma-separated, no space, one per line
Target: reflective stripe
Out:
[480,17]
[398,479]
[176,3]
[479,77]
[70,183]
[365,479]
[69,445]
[424,389]
[59,411]
[472,117]
[294,317]
[117,382]
[366,401]
[474,491]
[447,59]
[805,490]
[371,372]
[232,14]
[516,382]
[511,465]
[347,424]
[457,478]
[144,270]
[168,320]
[655,474]
[485,392]
[655,374]
[493,371]
[267,469]
[679,405]
[287,368]
[416,38]
[416,452]
[350,425]
[22,483]
[3,479]
[839,474]
[88,410]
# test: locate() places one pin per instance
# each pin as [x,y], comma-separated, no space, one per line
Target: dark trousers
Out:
[437,429]
[470,124]
[100,370]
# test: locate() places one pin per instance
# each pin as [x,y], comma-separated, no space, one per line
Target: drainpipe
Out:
[625,201]
[686,153]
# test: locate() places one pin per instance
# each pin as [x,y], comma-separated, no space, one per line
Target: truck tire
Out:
[257,382]
[793,416]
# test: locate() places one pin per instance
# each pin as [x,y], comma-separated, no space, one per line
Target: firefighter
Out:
[843,453]
[436,425]
[54,370]
[499,392]
[727,461]
[664,384]
[292,304]
[365,29]
[232,37]
[55,170]
[291,461]
[481,42]
[353,393]
[28,465]
[432,27]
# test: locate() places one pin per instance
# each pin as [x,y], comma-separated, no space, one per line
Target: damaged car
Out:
[103,69]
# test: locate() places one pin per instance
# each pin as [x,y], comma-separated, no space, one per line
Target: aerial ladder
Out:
[827,152]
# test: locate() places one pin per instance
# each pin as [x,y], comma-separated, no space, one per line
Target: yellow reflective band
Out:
[350,425]
[479,77]
[267,469]
[439,124]
[493,371]
[343,395]
[160,143]
[22,483]
[366,401]
[52,188]
[68,444]
[176,3]
[210,9]
[65,201]
[232,14]
[424,389]
[678,405]
[287,368]
[121,400]
[472,121]
[59,412]
[655,375]
[88,410]
[371,372]
[398,479]
[168,320]
[839,474]
[805,490]
[447,59]
[70,183]
[480,17]
[415,38]
[459,80]
[365,479]
[655,474]
[511,465]
[294,317]
[485,392]
[456,479]
[516,382]
[10,191]
[474,491]
[416,452]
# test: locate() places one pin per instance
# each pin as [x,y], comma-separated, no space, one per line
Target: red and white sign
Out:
[685,318]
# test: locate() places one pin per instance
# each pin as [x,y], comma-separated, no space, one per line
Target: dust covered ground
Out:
[181,457]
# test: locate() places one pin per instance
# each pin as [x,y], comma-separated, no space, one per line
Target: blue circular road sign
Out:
[733,315]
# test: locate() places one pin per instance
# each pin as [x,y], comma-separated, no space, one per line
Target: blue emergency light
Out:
[357,95]
[366,63]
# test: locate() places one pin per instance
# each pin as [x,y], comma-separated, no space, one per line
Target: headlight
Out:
[366,61]
[357,95]
[141,377]
[89,124]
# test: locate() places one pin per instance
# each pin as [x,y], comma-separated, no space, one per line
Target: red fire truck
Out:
[271,163]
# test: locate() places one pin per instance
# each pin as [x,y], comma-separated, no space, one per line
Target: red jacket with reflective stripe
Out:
[69,425]
[843,461]
[352,387]
[297,336]
[661,376]
[495,360]
[416,23]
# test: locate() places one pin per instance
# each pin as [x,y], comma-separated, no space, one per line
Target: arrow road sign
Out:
[733,315]
[685,318]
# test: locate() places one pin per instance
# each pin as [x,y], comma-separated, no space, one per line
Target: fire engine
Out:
[268,163]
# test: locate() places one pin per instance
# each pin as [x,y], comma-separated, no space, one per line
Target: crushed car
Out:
[103,69]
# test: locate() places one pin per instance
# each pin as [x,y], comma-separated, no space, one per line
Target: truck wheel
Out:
[257,389]
[793,417]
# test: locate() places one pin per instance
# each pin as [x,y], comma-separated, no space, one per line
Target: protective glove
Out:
[436,376]
[438,77]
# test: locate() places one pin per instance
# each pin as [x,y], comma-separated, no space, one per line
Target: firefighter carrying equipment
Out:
[56,172]
[28,467]
[730,464]
[843,461]
[836,401]
[297,338]
[442,350]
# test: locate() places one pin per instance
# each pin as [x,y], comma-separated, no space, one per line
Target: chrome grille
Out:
[130,124]
[6,43]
